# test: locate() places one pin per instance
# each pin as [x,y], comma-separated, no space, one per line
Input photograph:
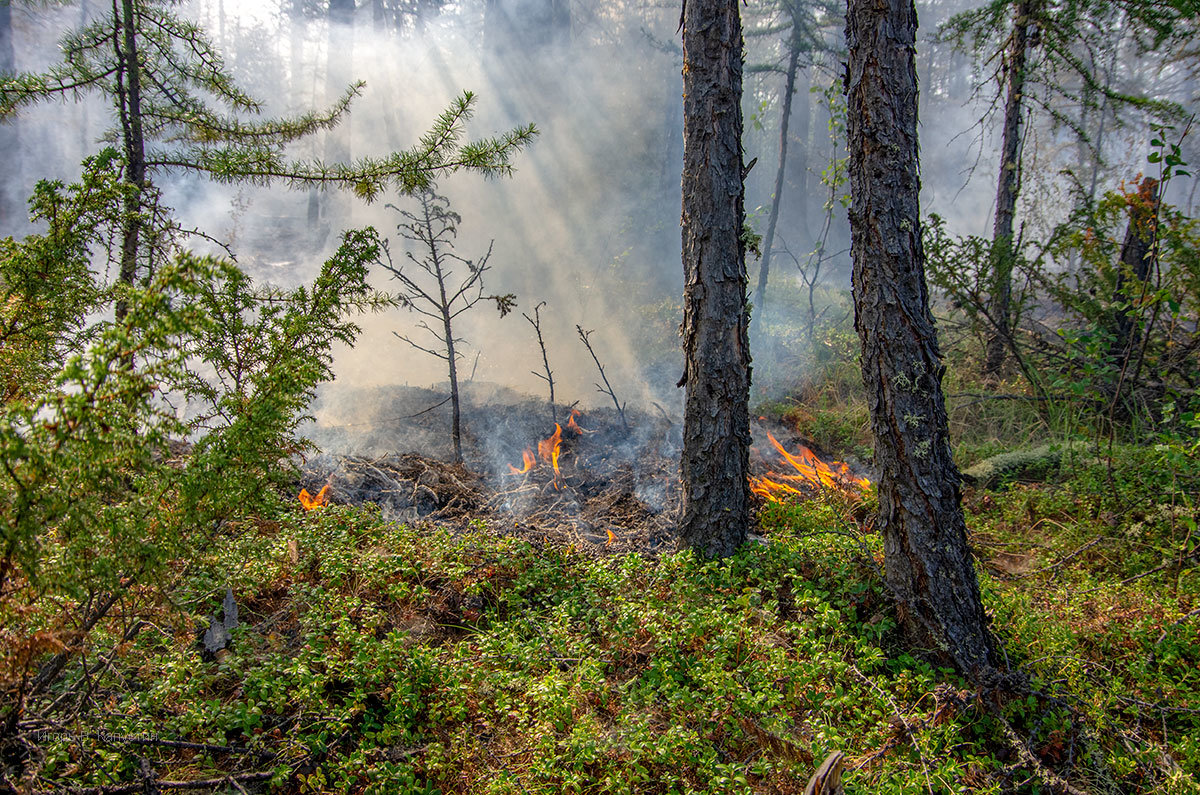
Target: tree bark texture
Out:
[716,438]
[764,270]
[130,96]
[927,556]
[1007,187]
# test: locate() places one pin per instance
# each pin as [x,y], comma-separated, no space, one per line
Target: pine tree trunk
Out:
[129,90]
[1007,188]
[927,556]
[764,270]
[716,437]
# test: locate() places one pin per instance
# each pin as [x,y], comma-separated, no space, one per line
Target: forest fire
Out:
[310,502]
[809,471]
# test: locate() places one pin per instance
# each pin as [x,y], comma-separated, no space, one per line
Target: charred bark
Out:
[764,270]
[1007,188]
[927,556]
[129,94]
[716,439]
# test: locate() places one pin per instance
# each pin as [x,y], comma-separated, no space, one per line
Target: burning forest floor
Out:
[602,482]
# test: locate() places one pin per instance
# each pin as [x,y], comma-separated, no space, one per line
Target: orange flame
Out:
[529,460]
[809,470]
[310,502]
[574,426]
[549,449]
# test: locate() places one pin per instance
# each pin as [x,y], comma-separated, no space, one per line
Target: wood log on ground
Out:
[828,778]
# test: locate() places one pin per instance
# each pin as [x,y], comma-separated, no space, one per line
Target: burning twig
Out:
[536,322]
[607,388]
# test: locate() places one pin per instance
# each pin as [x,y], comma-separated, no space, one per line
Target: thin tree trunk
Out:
[926,553]
[716,436]
[1007,187]
[760,293]
[130,100]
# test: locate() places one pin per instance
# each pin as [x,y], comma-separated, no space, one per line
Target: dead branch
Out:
[536,322]
[607,388]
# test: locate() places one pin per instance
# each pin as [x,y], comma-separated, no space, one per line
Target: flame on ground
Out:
[529,460]
[809,470]
[548,449]
[574,426]
[310,502]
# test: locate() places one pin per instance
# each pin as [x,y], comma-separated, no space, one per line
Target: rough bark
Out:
[764,270]
[1007,187]
[716,496]
[130,101]
[927,557]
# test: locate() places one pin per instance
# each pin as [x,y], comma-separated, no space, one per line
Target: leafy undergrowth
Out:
[383,658]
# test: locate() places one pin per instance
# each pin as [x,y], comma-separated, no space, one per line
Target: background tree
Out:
[926,554]
[165,78]
[800,24]
[716,436]
[434,229]
[1045,57]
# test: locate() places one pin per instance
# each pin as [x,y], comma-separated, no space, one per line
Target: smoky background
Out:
[589,221]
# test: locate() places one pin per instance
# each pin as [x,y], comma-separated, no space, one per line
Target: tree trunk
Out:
[760,293]
[927,557]
[716,437]
[1134,271]
[130,95]
[1007,188]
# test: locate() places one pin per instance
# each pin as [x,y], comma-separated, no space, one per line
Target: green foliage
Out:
[107,488]
[201,120]
[47,285]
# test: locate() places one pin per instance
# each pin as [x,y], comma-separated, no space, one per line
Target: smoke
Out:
[588,223]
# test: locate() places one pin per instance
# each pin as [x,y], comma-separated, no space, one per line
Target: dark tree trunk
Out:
[130,96]
[716,437]
[927,557]
[764,270]
[1007,187]
[1134,271]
